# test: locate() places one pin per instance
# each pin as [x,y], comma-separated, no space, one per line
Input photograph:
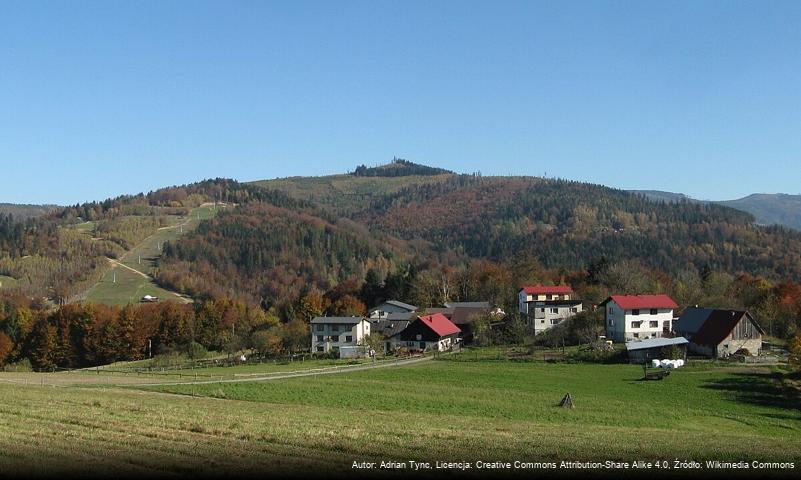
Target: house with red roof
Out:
[544,306]
[632,317]
[427,332]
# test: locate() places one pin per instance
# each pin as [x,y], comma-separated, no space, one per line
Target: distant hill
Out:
[767,208]
[22,212]
[770,209]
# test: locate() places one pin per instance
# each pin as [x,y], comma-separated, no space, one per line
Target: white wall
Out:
[620,323]
[357,332]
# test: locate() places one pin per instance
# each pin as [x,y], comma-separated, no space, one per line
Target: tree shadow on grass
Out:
[759,388]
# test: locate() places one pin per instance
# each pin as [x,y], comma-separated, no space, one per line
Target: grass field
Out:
[130,287]
[437,410]
[7,282]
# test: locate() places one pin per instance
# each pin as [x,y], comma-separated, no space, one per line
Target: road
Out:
[307,373]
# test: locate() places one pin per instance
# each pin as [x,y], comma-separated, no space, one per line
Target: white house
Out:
[332,333]
[543,307]
[629,317]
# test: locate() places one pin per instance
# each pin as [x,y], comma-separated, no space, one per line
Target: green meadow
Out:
[131,287]
[453,408]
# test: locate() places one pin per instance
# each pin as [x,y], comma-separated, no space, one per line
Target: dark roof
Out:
[633,302]
[692,319]
[466,304]
[448,312]
[719,325]
[396,303]
[347,320]
[390,328]
[399,316]
[464,315]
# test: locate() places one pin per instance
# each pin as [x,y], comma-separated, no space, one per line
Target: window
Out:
[349,338]
[666,325]
[635,324]
[319,349]
[334,338]
[320,328]
[548,297]
[418,337]
[423,345]
[319,338]
[542,321]
[636,311]
[654,324]
[554,310]
[636,335]
[611,311]
[574,310]
[611,323]
[654,311]
[542,310]
[334,328]
[555,321]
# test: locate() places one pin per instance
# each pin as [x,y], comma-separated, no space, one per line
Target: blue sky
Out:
[99,99]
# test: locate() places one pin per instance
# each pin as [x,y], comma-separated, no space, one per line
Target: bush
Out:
[197,351]
[23,365]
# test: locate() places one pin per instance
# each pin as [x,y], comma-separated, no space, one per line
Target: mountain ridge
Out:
[767,208]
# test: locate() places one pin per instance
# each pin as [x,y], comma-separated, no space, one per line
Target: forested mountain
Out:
[767,208]
[289,249]
[398,168]
[22,212]
[569,224]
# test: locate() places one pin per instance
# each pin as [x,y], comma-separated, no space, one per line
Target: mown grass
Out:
[438,410]
[130,287]
[345,191]
[606,395]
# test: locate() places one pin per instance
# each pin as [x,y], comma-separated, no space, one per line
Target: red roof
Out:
[440,324]
[631,302]
[547,290]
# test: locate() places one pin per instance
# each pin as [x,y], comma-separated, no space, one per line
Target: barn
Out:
[719,333]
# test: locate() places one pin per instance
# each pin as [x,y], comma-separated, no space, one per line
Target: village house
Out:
[543,307]
[331,333]
[719,333]
[382,311]
[629,317]
[428,332]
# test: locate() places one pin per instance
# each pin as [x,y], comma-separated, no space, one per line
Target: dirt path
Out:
[280,376]
[116,263]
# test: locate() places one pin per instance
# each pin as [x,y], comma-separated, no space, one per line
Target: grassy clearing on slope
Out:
[130,287]
[346,191]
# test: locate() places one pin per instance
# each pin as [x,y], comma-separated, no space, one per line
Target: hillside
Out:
[767,208]
[22,212]
[564,224]
[771,209]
